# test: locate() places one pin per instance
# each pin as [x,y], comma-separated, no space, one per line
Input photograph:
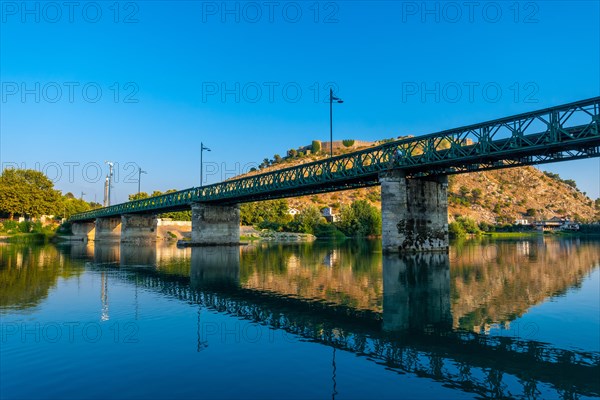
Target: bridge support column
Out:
[139,228]
[215,224]
[84,231]
[108,229]
[414,213]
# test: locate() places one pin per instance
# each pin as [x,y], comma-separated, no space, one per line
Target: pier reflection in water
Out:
[416,292]
[435,316]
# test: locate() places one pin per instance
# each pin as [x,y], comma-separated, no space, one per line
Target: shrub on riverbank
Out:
[462,227]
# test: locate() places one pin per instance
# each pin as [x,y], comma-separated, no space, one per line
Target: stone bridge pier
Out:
[215,224]
[414,213]
[108,229]
[84,231]
[139,228]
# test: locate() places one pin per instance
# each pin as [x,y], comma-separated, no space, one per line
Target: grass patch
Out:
[511,234]
[249,238]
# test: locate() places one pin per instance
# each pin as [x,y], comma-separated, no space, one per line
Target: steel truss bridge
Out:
[463,360]
[567,132]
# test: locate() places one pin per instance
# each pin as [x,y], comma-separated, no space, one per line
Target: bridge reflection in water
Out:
[412,313]
[404,320]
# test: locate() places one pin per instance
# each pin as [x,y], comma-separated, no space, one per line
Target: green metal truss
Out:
[567,132]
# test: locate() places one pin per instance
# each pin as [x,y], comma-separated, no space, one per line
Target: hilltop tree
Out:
[316,146]
[531,212]
[463,191]
[27,192]
[476,193]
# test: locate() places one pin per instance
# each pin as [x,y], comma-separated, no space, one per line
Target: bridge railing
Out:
[494,144]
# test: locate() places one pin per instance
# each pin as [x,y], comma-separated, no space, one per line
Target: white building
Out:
[327,212]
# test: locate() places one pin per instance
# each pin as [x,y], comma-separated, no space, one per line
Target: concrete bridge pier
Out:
[414,213]
[108,229]
[215,224]
[139,228]
[84,231]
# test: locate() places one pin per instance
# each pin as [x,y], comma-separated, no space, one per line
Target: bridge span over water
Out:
[412,173]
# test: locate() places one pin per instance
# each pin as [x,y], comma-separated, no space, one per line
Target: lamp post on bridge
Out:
[332,98]
[109,181]
[140,172]
[202,149]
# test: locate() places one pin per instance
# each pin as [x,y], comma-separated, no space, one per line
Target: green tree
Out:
[455,230]
[316,146]
[464,191]
[469,225]
[273,211]
[67,206]
[308,219]
[348,142]
[531,212]
[28,193]
[476,193]
[360,219]
[138,196]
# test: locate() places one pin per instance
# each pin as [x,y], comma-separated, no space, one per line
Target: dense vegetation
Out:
[358,219]
[30,194]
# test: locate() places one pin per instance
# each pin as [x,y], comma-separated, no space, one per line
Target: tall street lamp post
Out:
[140,172]
[109,181]
[332,98]
[202,149]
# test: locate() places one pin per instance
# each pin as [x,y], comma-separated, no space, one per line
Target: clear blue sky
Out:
[171,62]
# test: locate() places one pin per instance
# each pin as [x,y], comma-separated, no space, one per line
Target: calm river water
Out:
[515,319]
